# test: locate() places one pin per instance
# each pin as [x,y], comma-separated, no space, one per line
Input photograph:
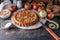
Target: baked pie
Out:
[5,13]
[25,17]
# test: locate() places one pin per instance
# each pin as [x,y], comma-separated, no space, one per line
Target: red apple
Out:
[50,15]
[12,8]
[27,6]
[35,7]
[40,9]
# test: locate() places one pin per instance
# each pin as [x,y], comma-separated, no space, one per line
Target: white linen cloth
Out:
[5,5]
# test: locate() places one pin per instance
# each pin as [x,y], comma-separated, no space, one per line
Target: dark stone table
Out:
[20,34]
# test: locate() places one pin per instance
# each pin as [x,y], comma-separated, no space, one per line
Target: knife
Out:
[49,30]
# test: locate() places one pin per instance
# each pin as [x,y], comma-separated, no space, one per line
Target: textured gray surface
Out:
[19,34]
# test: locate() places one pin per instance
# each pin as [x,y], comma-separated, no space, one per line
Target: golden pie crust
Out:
[25,17]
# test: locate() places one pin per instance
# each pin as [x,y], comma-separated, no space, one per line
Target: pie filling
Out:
[25,17]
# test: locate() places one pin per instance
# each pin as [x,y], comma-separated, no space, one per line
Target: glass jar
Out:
[19,4]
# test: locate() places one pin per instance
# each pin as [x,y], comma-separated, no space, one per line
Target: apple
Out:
[12,8]
[27,6]
[35,7]
[50,15]
[41,4]
[40,9]
[48,10]
[43,14]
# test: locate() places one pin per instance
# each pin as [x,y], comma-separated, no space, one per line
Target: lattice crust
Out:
[25,18]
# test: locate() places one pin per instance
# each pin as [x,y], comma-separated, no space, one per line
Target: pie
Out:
[5,13]
[25,17]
